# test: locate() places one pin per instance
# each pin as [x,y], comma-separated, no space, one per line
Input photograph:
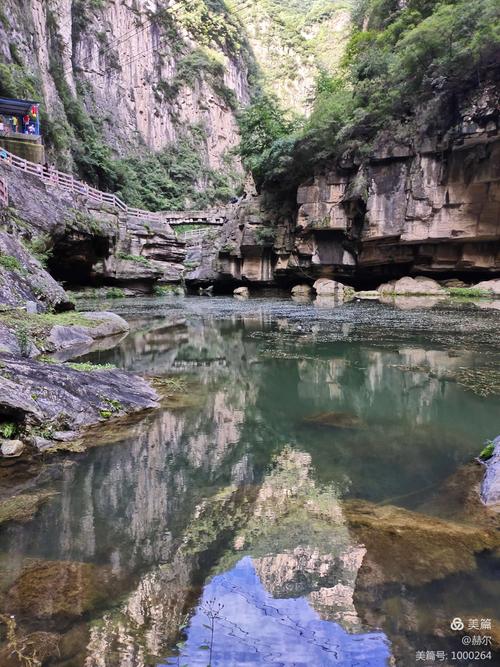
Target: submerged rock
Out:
[412,548]
[421,285]
[23,507]
[57,589]
[490,488]
[336,420]
[31,650]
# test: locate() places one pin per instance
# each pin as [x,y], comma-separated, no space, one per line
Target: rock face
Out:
[429,207]
[490,488]
[156,99]
[86,243]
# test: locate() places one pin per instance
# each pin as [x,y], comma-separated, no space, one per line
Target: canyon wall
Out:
[430,205]
[142,77]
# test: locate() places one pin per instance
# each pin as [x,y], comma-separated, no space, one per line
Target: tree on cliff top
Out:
[400,56]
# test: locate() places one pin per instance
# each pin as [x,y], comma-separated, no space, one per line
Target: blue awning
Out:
[13,107]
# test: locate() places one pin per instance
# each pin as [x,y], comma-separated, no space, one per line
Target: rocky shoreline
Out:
[45,403]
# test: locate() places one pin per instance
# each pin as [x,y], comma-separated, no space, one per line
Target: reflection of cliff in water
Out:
[284,553]
[188,501]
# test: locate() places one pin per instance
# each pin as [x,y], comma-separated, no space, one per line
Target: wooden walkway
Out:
[53,177]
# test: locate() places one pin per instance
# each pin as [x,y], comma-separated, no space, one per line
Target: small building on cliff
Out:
[20,128]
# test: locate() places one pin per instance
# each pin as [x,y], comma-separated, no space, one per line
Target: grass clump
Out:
[115,293]
[139,259]
[468,293]
[88,366]
[112,407]
[40,248]
[167,290]
[10,263]
[488,450]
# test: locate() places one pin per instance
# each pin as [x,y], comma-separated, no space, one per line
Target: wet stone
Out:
[62,590]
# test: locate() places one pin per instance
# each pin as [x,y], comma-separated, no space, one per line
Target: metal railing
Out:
[52,176]
[4,193]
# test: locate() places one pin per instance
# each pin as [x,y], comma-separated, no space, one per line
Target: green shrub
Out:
[400,56]
[488,450]
[8,429]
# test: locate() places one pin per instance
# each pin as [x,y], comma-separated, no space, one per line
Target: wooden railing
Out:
[4,193]
[68,182]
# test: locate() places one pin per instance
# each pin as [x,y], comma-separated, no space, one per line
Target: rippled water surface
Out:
[305,496]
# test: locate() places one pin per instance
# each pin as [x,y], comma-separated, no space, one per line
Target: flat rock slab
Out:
[68,399]
[490,488]
[101,325]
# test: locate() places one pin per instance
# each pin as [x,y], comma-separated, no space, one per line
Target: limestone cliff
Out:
[79,241]
[429,205]
[120,79]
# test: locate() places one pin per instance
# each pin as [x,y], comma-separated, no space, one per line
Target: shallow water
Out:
[225,530]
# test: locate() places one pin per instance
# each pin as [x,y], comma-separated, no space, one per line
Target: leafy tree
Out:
[261,124]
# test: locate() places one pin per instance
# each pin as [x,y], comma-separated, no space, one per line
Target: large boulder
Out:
[101,325]
[327,287]
[23,278]
[490,488]
[419,285]
[492,286]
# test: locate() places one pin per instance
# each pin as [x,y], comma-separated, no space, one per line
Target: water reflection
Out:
[251,627]
[246,491]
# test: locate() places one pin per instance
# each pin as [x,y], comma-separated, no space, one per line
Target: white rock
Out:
[301,290]
[407,285]
[492,286]
[241,291]
[11,448]
[326,287]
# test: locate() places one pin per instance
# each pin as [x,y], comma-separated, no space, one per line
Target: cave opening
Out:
[73,257]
